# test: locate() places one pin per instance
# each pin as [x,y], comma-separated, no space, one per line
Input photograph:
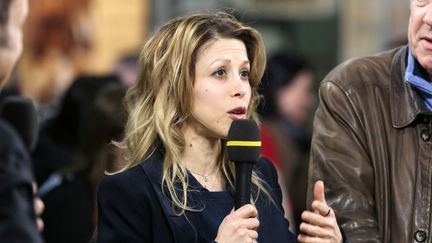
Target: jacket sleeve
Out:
[339,157]
[122,215]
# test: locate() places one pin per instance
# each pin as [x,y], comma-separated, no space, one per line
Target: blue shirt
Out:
[417,76]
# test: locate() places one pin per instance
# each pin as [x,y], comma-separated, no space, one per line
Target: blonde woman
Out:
[197,74]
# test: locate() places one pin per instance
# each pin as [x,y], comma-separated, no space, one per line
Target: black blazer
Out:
[17,216]
[132,208]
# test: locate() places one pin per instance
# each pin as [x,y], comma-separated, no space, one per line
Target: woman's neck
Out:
[201,157]
[200,153]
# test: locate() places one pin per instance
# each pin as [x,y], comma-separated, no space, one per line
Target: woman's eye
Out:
[244,74]
[220,73]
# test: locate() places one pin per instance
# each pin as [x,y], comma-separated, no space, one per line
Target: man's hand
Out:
[39,207]
[319,225]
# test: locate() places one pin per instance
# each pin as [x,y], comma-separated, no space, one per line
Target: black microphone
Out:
[244,149]
[21,114]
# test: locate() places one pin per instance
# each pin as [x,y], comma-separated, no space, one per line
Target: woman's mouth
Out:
[237,113]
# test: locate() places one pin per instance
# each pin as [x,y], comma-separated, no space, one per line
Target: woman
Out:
[197,74]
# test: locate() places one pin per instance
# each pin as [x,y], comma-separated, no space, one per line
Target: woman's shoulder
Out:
[149,167]
[122,181]
[265,168]
[134,177]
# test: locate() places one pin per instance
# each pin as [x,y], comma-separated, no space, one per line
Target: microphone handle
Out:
[243,183]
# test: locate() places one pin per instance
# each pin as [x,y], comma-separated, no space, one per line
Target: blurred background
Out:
[81,55]
[67,38]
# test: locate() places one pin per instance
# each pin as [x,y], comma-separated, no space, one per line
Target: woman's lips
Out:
[237,113]
[237,116]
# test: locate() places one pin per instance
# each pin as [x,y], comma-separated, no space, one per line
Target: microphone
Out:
[244,149]
[21,114]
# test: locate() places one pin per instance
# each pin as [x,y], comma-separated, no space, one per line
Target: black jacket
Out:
[17,217]
[132,208]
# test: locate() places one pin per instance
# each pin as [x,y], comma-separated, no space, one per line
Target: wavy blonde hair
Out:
[161,99]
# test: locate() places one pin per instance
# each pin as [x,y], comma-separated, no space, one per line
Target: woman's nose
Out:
[240,86]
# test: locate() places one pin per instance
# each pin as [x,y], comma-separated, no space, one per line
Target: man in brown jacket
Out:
[372,141]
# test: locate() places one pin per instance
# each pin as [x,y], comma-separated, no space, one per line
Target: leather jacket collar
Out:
[406,104]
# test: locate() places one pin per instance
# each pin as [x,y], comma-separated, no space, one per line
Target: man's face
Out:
[420,32]
[11,51]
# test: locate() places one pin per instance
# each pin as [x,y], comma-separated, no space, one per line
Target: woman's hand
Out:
[239,226]
[320,225]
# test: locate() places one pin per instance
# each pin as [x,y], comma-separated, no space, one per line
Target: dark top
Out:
[132,208]
[17,217]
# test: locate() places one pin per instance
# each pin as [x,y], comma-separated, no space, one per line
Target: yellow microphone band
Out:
[244,143]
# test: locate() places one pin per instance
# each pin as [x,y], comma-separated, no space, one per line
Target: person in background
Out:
[372,139]
[126,68]
[287,89]
[71,154]
[17,204]
[196,75]
[58,145]
[96,138]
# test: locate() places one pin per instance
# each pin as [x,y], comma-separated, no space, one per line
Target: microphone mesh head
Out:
[243,141]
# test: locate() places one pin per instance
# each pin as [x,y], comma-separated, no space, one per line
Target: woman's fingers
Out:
[251,223]
[247,214]
[253,234]
[239,226]
[246,211]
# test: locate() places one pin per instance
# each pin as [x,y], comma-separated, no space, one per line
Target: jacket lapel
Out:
[184,224]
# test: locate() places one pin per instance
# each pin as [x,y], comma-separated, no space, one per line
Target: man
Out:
[17,214]
[372,142]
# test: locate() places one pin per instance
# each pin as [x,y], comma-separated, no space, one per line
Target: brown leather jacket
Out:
[372,147]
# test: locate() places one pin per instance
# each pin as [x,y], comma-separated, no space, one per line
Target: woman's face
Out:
[221,91]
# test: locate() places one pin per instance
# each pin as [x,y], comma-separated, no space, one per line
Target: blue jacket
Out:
[132,208]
